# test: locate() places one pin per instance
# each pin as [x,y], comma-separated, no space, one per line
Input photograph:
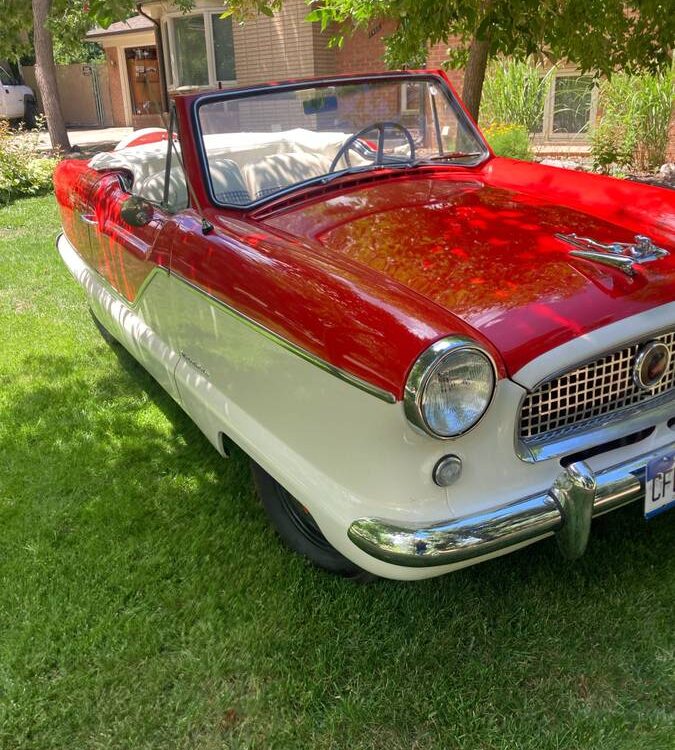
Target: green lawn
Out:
[144,602]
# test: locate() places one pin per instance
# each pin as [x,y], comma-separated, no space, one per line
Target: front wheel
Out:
[296,527]
[30,113]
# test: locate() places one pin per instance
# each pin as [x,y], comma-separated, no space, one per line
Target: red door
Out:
[75,186]
[125,255]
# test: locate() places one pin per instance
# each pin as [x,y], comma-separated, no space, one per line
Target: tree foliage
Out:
[515,93]
[633,128]
[69,28]
[69,21]
[596,35]
[601,36]
[34,26]
[17,23]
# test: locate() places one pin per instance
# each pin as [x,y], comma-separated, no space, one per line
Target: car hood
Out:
[489,255]
[20,89]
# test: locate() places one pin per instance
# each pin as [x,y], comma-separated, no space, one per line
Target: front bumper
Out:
[566,510]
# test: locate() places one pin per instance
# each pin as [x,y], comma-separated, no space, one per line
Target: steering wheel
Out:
[381,128]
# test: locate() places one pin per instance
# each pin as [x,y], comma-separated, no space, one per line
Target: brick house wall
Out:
[438,53]
[670,154]
[325,57]
[275,48]
[115,83]
[286,46]
[363,51]
[114,43]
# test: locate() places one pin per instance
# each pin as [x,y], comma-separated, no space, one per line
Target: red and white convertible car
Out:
[432,355]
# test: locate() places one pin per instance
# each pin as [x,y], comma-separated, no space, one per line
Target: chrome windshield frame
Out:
[289,86]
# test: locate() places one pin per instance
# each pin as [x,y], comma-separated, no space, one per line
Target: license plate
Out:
[660,485]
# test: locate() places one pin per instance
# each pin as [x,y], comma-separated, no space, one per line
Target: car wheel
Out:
[105,333]
[30,113]
[299,531]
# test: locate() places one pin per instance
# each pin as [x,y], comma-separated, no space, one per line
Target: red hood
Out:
[487,254]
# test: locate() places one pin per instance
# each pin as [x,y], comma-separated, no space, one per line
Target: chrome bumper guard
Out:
[565,510]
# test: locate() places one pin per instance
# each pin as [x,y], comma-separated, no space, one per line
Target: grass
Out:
[144,602]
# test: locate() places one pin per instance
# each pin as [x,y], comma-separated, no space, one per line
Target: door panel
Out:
[11,101]
[15,104]
[74,185]
[127,258]
[124,255]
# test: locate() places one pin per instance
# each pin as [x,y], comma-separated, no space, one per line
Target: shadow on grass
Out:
[149,577]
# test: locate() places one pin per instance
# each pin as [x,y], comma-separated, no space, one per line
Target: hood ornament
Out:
[621,255]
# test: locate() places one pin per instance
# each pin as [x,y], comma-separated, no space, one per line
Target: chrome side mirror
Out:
[136,212]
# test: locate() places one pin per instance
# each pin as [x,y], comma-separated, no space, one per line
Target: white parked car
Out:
[17,101]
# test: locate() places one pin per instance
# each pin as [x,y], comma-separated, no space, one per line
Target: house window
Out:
[572,101]
[7,79]
[190,51]
[223,48]
[570,108]
[410,98]
[200,49]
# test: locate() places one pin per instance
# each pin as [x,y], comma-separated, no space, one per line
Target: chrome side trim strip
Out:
[363,385]
[566,509]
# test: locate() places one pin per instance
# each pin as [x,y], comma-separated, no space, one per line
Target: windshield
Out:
[6,78]
[267,143]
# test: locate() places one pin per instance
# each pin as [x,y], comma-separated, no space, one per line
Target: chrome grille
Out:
[594,390]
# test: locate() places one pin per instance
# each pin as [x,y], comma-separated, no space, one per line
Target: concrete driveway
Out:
[88,139]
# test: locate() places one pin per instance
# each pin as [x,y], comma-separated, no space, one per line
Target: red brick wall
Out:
[363,52]
[670,154]
[272,49]
[435,59]
[114,73]
[325,57]
[146,121]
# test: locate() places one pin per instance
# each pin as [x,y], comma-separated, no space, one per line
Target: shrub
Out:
[515,93]
[24,170]
[633,129]
[509,140]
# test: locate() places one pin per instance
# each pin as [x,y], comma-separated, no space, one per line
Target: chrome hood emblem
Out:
[621,255]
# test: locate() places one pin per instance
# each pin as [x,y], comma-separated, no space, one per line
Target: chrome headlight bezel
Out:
[424,368]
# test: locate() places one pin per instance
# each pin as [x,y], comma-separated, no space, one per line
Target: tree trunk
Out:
[45,74]
[474,75]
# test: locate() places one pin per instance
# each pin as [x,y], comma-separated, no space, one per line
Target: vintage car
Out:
[432,355]
[17,101]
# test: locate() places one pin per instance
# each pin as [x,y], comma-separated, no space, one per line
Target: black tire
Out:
[299,531]
[30,112]
[105,333]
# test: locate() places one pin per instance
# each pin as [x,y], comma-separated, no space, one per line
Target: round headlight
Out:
[450,387]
